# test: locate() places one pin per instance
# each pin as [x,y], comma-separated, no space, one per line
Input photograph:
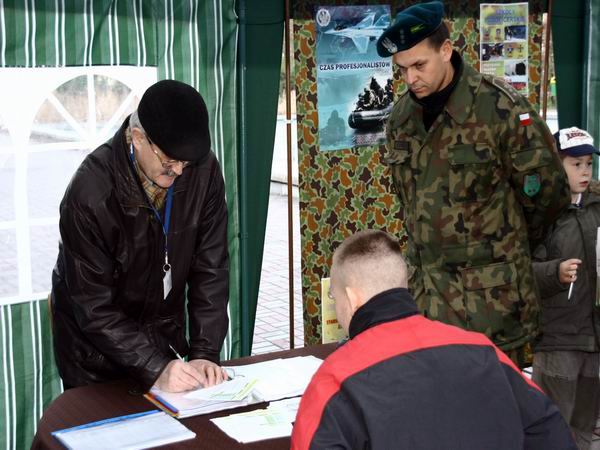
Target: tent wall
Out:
[569,60]
[193,41]
[577,65]
[261,35]
[28,377]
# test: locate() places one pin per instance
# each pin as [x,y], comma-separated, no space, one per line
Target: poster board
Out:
[354,84]
[504,50]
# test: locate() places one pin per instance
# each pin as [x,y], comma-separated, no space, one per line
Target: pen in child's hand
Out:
[570,290]
[181,359]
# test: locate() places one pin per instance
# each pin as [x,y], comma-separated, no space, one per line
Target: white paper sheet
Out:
[281,378]
[229,391]
[132,432]
[262,424]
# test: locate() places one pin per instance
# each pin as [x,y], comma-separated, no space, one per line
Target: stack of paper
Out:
[227,395]
[135,431]
[253,383]
[273,422]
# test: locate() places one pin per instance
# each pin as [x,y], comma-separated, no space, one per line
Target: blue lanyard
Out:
[168,206]
[167,221]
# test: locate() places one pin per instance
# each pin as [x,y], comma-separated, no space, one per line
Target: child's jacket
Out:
[570,324]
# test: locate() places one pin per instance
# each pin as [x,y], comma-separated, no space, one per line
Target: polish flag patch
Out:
[525,119]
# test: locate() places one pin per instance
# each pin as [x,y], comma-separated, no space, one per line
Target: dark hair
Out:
[368,243]
[439,36]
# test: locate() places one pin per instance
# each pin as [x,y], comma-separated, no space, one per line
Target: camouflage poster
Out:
[503,46]
[354,85]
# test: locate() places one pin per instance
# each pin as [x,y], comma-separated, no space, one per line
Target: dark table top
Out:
[101,401]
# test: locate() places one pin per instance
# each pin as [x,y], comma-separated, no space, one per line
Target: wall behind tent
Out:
[192,41]
[348,190]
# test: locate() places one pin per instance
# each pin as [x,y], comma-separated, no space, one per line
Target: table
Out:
[100,401]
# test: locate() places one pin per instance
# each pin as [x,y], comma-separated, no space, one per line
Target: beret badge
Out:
[389,45]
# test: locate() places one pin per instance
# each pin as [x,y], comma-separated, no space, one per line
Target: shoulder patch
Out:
[502,85]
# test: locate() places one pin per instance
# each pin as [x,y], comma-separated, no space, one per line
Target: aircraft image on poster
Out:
[364,32]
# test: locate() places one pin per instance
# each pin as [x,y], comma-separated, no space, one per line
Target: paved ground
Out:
[271,332]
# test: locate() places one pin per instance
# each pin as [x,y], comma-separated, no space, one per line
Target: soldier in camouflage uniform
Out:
[479,180]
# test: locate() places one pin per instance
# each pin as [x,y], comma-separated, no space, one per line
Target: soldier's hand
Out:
[179,376]
[567,271]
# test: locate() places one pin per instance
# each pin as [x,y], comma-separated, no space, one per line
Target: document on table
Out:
[134,431]
[262,424]
[227,395]
[280,378]
[252,383]
[228,391]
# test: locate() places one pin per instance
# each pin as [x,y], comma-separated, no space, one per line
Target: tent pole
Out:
[288,121]
[246,337]
[546,60]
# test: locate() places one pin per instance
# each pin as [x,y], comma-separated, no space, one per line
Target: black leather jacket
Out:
[110,320]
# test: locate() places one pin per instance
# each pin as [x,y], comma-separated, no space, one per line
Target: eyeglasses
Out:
[168,164]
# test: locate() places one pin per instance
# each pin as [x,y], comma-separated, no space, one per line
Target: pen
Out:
[570,290]
[181,359]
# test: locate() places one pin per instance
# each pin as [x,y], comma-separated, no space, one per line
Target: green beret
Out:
[411,26]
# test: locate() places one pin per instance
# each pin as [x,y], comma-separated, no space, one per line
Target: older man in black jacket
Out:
[405,382]
[144,216]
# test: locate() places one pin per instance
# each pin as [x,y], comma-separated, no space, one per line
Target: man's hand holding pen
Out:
[179,375]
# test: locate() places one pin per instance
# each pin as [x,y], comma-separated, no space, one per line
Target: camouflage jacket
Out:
[478,191]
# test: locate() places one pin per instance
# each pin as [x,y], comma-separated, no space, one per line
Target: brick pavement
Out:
[271,331]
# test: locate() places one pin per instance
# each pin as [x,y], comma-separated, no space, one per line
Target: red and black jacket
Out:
[406,382]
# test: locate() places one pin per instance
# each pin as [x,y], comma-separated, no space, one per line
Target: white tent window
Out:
[50,119]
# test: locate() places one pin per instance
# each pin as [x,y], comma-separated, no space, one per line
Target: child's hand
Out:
[567,271]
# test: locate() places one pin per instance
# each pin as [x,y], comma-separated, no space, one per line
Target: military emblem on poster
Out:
[354,84]
[504,45]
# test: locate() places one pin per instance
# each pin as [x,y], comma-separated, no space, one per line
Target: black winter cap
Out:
[175,118]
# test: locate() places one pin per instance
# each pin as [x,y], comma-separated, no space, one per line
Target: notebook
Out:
[131,432]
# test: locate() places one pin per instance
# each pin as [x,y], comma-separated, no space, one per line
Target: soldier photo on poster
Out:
[354,84]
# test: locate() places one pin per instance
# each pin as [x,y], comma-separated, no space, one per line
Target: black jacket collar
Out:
[386,306]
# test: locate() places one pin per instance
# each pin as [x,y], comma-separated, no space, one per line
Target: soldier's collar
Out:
[410,108]
[461,101]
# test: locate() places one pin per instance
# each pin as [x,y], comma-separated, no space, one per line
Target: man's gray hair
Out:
[134,122]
